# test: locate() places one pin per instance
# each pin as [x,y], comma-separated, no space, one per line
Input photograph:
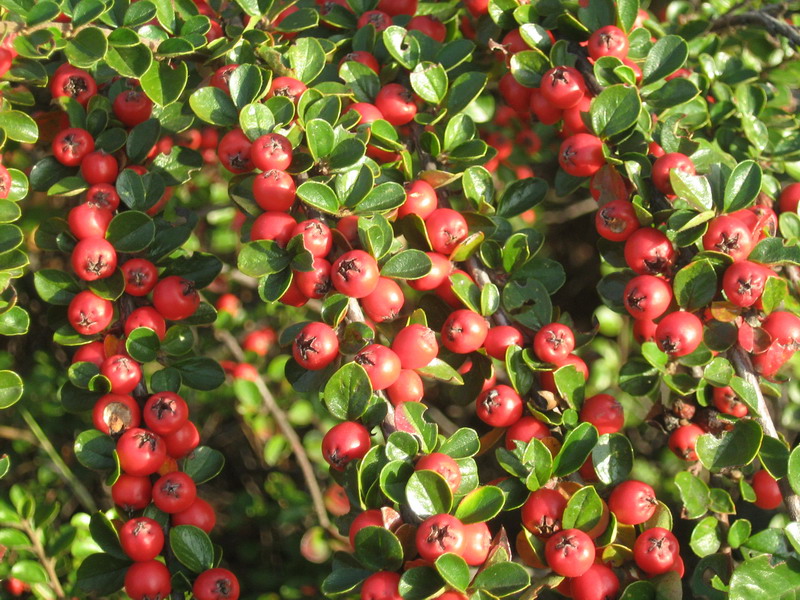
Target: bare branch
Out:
[765,18]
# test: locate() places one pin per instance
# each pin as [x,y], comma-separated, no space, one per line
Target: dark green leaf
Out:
[192,547]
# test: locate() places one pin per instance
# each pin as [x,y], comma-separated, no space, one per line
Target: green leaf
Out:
[577,447]
[407,264]
[402,45]
[420,583]
[246,85]
[464,443]
[164,83]
[131,231]
[584,510]
[739,532]
[480,505]
[612,458]
[307,59]
[502,579]
[361,79]
[319,196]
[142,344]
[256,120]
[141,140]
[695,189]
[347,393]
[55,287]
[95,450]
[520,196]
[428,494]
[342,581]
[19,127]
[454,570]
[15,321]
[614,110]
[734,448]
[87,48]
[743,186]
[205,463]
[429,81]
[382,198]
[130,61]
[774,456]
[378,549]
[102,574]
[262,257]
[464,90]
[200,373]
[11,388]
[214,106]
[673,93]
[665,57]
[105,536]
[765,576]
[192,547]
[695,285]
[320,138]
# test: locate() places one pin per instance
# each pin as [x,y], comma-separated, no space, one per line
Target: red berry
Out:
[436,277]
[570,552]
[500,338]
[274,190]
[174,492]
[617,220]
[140,452]
[99,167]
[221,78]
[421,200]
[271,151]
[70,146]
[679,333]
[608,41]
[89,314]
[790,197]
[647,297]
[394,8]
[649,252]
[355,274]
[683,441]
[148,580]
[542,512]
[316,346]
[385,302]
[516,95]
[175,298]
[93,352]
[113,413]
[123,372]
[368,518]
[632,502]
[377,18]
[581,155]
[132,107]
[543,110]
[464,331]
[288,87]
[662,167]
[181,442]
[381,364]
[74,83]
[365,58]
[524,430]
[655,551]
[149,317]
[382,585]
[728,235]
[165,412]
[276,226]
[726,401]
[438,535]
[768,493]
[604,412]
[396,104]
[416,346]
[446,228]
[477,544]
[444,466]
[598,583]
[499,406]
[317,282]
[553,343]
[234,152]
[430,26]
[317,237]
[216,584]
[407,388]
[140,275]
[563,87]
[142,539]
[200,514]
[343,443]
[132,492]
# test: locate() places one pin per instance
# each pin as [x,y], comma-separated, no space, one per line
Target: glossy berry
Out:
[216,584]
[140,276]
[355,274]
[141,539]
[438,535]
[553,343]
[441,269]
[500,338]
[728,235]
[89,314]
[93,352]
[598,583]
[420,200]
[407,388]
[608,41]
[146,316]
[524,430]
[604,412]
[148,580]
[444,465]
[570,552]
[783,328]
[140,452]
[542,512]
[174,492]
[617,220]
[499,406]
[655,551]
[385,302]
[99,167]
[276,226]
[234,152]
[744,282]
[464,331]
[93,259]
[726,401]
[102,195]
[768,493]
[132,107]
[316,346]
[477,544]
[679,333]
[165,412]
[368,518]
[123,372]
[175,298]
[545,112]
[200,514]
[182,441]
[396,104]
[363,57]
[398,7]
[649,252]
[683,441]
[377,18]
[789,198]
[647,297]
[382,585]
[381,364]
[662,167]
[287,86]
[274,190]
[271,151]
[581,155]
[345,442]
[317,282]
[430,26]
[131,492]
[113,413]
[222,77]
[70,146]
[516,95]
[69,81]
[632,502]
[317,237]
[563,87]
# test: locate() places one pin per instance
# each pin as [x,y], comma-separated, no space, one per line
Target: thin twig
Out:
[12,433]
[66,473]
[48,562]
[288,431]
[744,368]
[761,18]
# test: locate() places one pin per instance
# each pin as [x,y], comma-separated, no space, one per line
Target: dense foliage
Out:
[396,299]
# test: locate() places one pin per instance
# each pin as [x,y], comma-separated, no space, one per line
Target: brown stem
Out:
[48,562]
[744,368]
[765,18]
[288,431]
[585,67]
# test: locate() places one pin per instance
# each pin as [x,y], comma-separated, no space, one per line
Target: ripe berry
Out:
[581,155]
[271,151]
[394,8]
[355,274]
[477,544]
[140,452]
[276,226]
[790,197]
[382,585]
[367,113]
[317,282]
[316,346]
[70,146]
[524,430]
[662,167]
[89,314]
[113,413]
[132,107]
[649,252]
[441,268]
[5,183]
[421,200]
[396,104]
[570,552]
[182,441]
[726,401]
[655,551]
[368,518]
[123,372]
[598,583]
[784,329]
[216,584]
[74,83]
[744,282]
[148,580]
[363,57]
[140,276]
[647,297]
[768,493]
[728,235]
[149,317]
[617,220]
[345,442]
[99,167]
[174,492]
[274,190]
[94,258]
[103,195]
[175,298]
[604,412]
[438,535]
[516,95]
[683,441]
[553,343]
[543,110]
[464,331]
[548,380]
[234,152]
[378,19]
[499,406]
[200,514]
[500,338]
[407,388]
[542,512]
[141,539]
[317,237]
[165,412]
[93,352]
[679,333]
[608,41]
[381,364]
[221,78]
[385,302]
[444,466]
[633,502]
[562,87]
[132,492]
[288,87]
[430,26]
